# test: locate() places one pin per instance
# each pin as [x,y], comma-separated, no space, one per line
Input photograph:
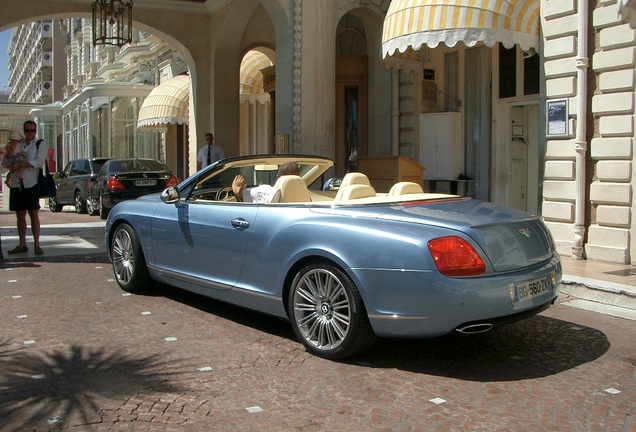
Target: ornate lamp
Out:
[112,22]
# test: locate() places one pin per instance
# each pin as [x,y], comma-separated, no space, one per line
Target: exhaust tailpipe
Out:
[474,328]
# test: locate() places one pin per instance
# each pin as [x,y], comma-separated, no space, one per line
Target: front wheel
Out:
[327,312]
[129,264]
[55,206]
[91,206]
[80,204]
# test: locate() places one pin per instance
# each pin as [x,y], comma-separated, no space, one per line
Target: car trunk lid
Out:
[511,239]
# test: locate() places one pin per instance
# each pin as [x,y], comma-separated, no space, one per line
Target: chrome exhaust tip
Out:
[475,328]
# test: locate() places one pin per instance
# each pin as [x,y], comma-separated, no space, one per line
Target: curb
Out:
[608,293]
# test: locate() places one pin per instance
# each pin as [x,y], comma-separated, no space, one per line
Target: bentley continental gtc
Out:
[344,265]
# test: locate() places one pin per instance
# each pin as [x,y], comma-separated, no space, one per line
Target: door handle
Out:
[240,224]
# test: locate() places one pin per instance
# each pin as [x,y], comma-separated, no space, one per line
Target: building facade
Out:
[538,116]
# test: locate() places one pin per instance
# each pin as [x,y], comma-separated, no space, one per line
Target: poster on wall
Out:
[557,118]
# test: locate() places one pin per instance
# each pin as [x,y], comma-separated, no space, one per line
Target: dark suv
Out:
[72,184]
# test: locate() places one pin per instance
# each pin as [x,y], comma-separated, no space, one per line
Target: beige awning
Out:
[409,24]
[166,104]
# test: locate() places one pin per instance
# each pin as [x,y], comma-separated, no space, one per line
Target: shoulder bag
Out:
[46,184]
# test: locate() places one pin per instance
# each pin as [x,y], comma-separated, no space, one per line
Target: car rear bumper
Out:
[426,304]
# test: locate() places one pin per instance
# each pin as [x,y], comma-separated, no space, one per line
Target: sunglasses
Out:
[30,130]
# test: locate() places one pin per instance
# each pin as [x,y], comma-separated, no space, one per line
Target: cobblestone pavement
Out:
[79,354]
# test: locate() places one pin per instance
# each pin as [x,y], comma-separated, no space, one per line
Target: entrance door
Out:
[351,112]
[524,158]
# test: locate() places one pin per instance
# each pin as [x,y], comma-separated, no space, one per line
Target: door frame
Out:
[351,71]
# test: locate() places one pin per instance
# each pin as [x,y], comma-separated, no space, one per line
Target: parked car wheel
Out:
[80,204]
[129,264]
[54,206]
[327,312]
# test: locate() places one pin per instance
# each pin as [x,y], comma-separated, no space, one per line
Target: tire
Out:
[91,206]
[327,312]
[79,203]
[54,206]
[103,212]
[129,264]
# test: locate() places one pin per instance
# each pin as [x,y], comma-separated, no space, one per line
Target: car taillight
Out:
[173,181]
[113,184]
[453,256]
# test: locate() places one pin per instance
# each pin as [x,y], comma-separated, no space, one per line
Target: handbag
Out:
[46,184]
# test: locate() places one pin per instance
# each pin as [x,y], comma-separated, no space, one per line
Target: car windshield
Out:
[135,165]
[255,174]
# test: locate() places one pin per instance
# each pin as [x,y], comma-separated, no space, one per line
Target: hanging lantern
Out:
[112,22]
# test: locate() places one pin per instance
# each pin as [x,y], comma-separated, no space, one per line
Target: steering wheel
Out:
[225,194]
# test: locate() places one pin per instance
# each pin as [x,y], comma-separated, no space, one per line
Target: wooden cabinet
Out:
[442,145]
[384,172]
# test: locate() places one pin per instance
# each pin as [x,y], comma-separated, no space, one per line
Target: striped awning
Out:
[251,77]
[166,104]
[409,24]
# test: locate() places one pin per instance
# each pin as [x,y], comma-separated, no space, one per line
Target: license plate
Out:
[145,182]
[528,290]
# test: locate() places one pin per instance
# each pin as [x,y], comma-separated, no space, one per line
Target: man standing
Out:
[25,199]
[209,153]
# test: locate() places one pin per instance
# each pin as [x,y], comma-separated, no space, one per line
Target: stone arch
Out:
[258,23]
[145,18]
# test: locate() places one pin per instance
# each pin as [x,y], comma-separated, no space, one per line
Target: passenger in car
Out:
[261,193]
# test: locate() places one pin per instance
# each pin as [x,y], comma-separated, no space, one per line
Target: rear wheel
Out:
[129,264]
[80,204]
[103,211]
[55,206]
[327,312]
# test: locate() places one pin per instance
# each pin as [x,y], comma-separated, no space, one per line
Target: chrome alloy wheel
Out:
[322,309]
[123,257]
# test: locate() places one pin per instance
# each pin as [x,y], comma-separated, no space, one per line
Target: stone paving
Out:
[79,354]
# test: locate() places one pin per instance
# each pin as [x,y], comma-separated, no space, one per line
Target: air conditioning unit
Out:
[47,87]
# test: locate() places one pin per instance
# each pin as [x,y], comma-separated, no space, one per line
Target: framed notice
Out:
[557,118]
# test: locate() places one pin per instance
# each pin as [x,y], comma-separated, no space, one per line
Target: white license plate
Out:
[530,289]
[145,182]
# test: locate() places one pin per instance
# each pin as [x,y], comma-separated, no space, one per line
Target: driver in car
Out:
[261,193]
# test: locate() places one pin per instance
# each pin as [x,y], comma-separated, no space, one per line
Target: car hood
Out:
[511,239]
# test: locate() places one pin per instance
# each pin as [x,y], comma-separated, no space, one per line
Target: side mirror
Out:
[170,195]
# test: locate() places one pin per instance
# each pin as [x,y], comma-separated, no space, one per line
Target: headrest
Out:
[355,178]
[405,188]
[292,189]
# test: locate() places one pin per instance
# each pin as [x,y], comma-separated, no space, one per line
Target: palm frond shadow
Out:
[69,383]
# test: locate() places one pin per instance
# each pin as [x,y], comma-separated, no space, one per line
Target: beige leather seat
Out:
[352,178]
[405,188]
[355,191]
[291,189]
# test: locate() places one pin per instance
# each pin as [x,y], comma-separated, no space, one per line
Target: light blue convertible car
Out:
[344,266]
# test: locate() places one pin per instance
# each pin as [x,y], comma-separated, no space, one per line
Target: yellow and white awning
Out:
[409,24]
[251,81]
[166,104]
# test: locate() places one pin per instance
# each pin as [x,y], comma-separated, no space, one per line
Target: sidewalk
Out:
[604,287]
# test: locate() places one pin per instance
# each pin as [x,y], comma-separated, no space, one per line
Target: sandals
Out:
[16,250]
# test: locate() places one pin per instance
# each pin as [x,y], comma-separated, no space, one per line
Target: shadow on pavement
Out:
[52,387]
[536,347]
